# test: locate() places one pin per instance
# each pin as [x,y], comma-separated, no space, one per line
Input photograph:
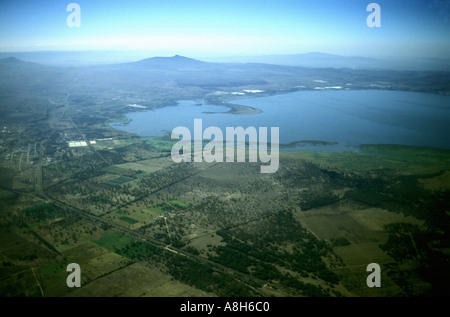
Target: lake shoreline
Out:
[331,120]
[237,109]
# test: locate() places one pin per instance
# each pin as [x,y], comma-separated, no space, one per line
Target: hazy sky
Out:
[229,27]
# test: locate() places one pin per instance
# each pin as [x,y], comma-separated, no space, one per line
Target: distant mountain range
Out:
[174,60]
[161,81]
[310,60]
[12,61]
[324,60]
[16,63]
[170,63]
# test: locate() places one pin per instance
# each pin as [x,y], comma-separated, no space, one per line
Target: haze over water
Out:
[350,118]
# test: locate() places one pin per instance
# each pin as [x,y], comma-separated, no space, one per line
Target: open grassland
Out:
[114,241]
[356,234]
[403,159]
[310,229]
[137,280]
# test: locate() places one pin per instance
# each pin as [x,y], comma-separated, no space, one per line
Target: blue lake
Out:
[347,117]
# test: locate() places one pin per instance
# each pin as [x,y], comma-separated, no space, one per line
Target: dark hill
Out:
[16,63]
[174,62]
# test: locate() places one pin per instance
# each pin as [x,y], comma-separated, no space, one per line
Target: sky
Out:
[416,28]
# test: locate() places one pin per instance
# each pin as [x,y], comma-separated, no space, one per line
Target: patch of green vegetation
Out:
[401,243]
[318,202]
[22,285]
[114,241]
[426,248]
[192,250]
[178,203]
[114,170]
[202,276]
[119,142]
[413,159]
[396,193]
[410,154]
[36,224]
[128,219]
[340,242]
[120,212]
[230,257]
[162,144]
[165,207]
[137,250]
[44,211]
[308,289]
[157,210]
[44,242]
[388,177]
[128,141]
[177,243]
[401,158]
[168,206]
[52,268]
[100,199]
[54,277]
[141,174]
[120,180]
[259,253]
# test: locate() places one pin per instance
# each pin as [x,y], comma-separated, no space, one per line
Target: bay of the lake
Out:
[348,117]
